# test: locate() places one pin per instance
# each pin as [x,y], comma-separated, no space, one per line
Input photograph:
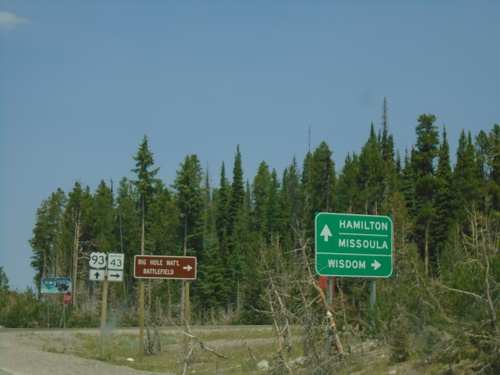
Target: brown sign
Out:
[164,267]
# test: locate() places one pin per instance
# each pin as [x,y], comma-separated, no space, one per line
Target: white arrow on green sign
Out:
[353,245]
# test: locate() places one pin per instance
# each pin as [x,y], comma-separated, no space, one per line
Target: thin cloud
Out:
[9,21]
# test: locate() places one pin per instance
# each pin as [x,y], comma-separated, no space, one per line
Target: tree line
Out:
[246,235]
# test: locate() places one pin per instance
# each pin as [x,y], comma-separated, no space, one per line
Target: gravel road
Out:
[25,353]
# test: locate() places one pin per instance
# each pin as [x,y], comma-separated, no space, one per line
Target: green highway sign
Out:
[353,245]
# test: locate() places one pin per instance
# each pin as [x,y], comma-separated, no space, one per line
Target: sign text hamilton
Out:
[353,245]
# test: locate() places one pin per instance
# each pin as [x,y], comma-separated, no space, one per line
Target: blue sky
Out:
[82,82]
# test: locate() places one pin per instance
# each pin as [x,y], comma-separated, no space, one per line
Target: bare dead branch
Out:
[186,361]
[471,294]
[321,294]
[203,346]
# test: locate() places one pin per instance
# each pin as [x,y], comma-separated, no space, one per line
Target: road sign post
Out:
[105,267]
[66,301]
[353,245]
[165,267]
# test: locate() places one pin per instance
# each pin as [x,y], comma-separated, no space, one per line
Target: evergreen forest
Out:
[254,242]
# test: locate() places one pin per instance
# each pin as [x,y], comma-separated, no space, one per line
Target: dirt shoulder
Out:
[50,352]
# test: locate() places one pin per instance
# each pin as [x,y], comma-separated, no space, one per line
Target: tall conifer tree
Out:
[48,256]
[348,195]
[423,160]
[319,182]
[493,162]
[146,185]
[146,182]
[102,218]
[128,228]
[189,199]
[467,178]
[235,230]
[371,180]
[443,196]
[260,193]
[76,234]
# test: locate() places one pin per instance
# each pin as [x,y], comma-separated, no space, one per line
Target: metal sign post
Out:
[66,301]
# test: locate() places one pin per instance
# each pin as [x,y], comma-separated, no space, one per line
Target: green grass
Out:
[242,350]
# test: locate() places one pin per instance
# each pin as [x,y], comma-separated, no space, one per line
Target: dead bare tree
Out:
[202,344]
[76,248]
[273,269]
[474,255]
[482,249]
[328,309]
[154,340]
[293,295]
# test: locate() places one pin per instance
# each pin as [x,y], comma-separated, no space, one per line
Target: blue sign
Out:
[55,284]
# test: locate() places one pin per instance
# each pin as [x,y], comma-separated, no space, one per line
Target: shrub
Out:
[400,339]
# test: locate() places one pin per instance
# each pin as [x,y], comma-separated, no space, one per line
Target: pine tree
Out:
[426,147]
[222,208]
[443,196]
[323,179]
[408,185]
[291,206]
[189,200]
[48,255]
[423,159]
[467,179]
[319,182]
[348,195]
[146,182]
[235,271]
[260,193]
[391,182]
[237,193]
[387,150]
[102,218]
[220,270]
[128,228]
[494,154]
[163,222]
[272,211]
[77,235]
[371,181]
[493,163]
[482,146]
[213,292]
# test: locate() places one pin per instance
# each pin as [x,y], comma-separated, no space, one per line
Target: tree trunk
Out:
[328,309]
[183,286]
[76,244]
[141,290]
[426,247]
